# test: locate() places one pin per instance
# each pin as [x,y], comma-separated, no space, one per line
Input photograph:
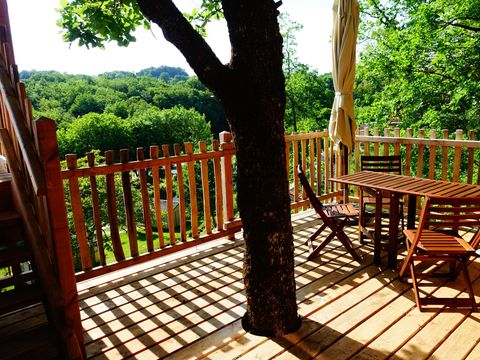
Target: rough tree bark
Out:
[251,89]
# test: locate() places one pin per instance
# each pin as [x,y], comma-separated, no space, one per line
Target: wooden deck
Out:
[189,305]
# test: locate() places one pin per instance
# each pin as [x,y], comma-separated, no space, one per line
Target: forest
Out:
[417,67]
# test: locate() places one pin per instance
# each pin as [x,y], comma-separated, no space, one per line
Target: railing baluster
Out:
[156,195]
[97,220]
[217,170]
[408,153]
[78,218]
[457,157]
[192,186]
[421,146]
[471,158]
[228,149]
[296,197]
[181,195]
[169,186]
[445,156]
[386,146]
[147,217]
[128,204]
[205,188]
[112,210]
[433,156]
[318,142]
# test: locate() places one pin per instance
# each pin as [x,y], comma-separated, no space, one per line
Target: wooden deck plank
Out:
[397,340]
[462,340]
[323,289]
[188,318]
[121,312]
[189,307]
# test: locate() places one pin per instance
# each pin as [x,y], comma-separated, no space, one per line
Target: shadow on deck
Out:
[189,305]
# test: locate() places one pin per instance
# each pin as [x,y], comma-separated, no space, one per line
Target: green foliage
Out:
[419,64]
[121,102]
[169,126]
[93,22]
[207,11]
[309,101]
[95,132]
[165,73]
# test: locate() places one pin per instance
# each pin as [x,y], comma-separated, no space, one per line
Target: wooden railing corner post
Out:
[228,148]
[47,147]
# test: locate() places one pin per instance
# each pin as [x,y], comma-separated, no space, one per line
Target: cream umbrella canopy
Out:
[342,125]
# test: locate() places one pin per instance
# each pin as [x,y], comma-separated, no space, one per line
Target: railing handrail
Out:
[22,134]
[416,141]
[136,165]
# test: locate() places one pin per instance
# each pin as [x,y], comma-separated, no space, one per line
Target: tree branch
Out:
[463,26]
[178,31]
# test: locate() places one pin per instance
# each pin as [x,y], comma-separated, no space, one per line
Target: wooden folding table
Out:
[399,185]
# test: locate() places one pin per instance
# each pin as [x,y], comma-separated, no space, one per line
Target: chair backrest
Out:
[316,204]
[389,163]
[450,214]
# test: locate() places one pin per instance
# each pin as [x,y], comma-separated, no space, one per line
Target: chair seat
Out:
[436,242]
[340,210]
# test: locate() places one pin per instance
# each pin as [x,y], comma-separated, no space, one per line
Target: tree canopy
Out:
[163,104]
[419,66]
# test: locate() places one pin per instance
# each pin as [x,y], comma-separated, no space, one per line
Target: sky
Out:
[38,44]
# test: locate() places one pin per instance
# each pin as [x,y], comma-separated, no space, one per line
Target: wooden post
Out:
[46,143]
[227,147]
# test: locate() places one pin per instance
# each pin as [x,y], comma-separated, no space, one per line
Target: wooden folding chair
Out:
[391,164]
[438,239]
[334,218]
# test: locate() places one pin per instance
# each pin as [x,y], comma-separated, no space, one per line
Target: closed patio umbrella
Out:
[342,125]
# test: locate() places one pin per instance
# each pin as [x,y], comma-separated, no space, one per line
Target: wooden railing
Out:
[203,183]
[454,159]
[204,178]
[114,203]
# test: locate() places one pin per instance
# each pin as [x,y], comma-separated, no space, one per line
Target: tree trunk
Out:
[251,89]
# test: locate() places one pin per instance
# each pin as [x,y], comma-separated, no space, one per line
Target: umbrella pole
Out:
[345,160]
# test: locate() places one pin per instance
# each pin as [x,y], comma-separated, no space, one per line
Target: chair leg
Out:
[315,251]
[469,283]
[415,286]
[315,234]
[346,242]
